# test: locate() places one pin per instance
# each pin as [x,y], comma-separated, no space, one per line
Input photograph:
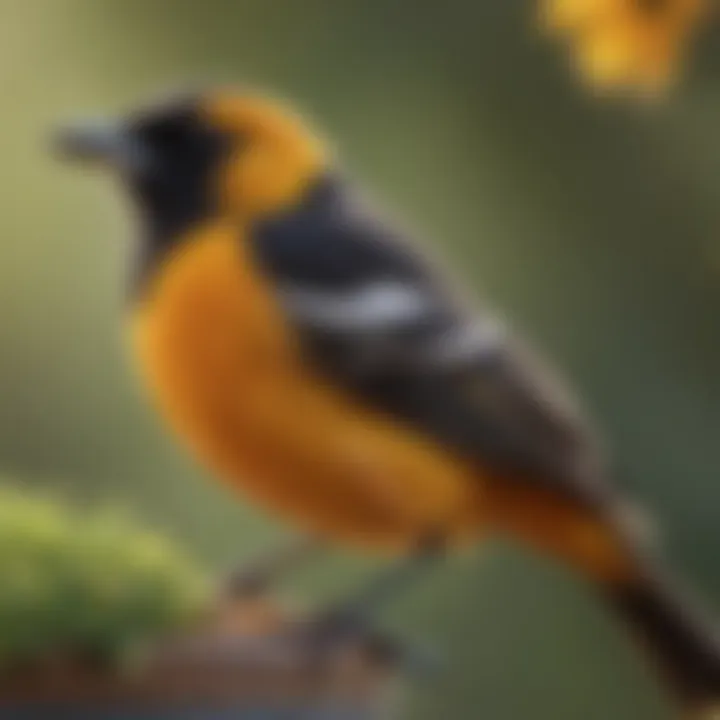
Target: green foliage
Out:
[91,585]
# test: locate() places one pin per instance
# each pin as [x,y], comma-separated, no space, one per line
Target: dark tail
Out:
[678,638]
[605,539]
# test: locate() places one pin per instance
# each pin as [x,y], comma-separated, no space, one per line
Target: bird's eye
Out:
[167,132]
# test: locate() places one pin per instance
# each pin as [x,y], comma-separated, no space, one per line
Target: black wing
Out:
[375,318]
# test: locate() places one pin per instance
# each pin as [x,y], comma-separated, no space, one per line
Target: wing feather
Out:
[374,318]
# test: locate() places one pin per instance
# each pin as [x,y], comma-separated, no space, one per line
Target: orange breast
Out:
[223,368]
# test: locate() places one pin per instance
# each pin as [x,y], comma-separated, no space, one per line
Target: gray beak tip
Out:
[66,144]
[98,143]
[81,142]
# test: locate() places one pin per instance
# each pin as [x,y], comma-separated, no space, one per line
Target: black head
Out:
[217,153]
[166,156]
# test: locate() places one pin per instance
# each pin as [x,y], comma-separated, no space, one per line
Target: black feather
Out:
[494,405]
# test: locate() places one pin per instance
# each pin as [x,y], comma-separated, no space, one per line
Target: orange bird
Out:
[311,356]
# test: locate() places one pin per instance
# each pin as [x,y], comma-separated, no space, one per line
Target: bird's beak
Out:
[106,143]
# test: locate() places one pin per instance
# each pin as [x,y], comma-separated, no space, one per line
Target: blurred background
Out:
[594,226]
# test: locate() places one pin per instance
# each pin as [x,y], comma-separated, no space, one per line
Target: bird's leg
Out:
[259,575]
[384,586]
[352,616]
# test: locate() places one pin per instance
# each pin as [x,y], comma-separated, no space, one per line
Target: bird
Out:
[321,361]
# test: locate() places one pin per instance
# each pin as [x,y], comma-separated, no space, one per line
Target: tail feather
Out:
[608,541]
[683,643]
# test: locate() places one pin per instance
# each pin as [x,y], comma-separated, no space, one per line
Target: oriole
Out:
[311,355]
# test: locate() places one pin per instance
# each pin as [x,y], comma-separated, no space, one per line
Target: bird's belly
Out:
[224,370]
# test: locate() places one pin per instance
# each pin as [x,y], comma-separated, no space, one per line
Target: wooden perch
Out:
[253,660]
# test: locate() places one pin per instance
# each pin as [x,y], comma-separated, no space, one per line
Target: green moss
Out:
[86,583]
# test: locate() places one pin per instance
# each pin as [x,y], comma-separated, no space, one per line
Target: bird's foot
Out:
[336,630]
[261,574]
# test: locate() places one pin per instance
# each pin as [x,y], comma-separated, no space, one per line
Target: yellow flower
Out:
[627,44]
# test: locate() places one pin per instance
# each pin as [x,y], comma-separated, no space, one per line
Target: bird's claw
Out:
[336,629]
